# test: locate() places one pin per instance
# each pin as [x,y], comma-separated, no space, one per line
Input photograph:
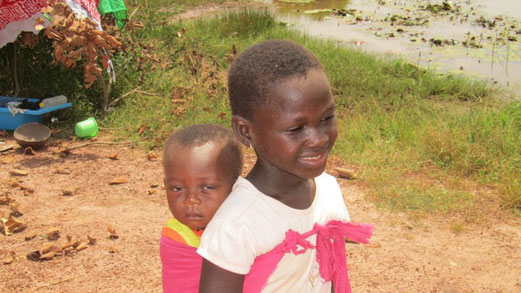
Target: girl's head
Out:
[201,164]
[282,106]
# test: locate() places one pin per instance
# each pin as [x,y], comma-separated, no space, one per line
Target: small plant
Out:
[457,228]
[79,41]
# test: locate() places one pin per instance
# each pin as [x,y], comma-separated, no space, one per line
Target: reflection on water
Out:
[511,8]
[488,53]
[287,9]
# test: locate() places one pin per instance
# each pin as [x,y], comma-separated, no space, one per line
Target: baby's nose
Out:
[192,198]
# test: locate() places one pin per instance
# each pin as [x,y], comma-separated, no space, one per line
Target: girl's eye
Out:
[295,129]
[328,118]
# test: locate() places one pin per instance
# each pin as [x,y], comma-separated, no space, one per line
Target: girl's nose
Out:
[192,198]
[317,137]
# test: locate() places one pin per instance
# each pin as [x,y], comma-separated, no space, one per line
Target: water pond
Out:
[480,38]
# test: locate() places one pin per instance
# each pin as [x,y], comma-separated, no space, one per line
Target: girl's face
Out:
[196,184]
[296,132]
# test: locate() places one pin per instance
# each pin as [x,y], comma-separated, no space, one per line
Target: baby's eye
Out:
[175,188]
[208,187]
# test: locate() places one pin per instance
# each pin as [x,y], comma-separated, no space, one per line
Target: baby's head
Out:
[201,164]
[283,107]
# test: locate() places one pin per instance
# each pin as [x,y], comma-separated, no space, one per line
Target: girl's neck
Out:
[291,190]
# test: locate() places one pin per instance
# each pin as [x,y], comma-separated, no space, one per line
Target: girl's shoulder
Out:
[327,184]
[244,200]
[326,178]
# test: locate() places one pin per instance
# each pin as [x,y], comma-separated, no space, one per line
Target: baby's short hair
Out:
[200,134]
[263,66]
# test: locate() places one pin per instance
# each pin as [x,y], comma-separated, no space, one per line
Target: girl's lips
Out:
[315,160]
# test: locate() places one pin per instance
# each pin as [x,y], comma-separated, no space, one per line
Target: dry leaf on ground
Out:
[34,255]
[151,156]
[52,234]
[19,172]
[9,259]
[142,129]
[63,152]
[13,182]
[61,170]
[30,236]
[70,243]
[5,198]
[51,247]
[15,209]
[81,246]
[119,180]
[26,188]
[47,256]
[8,159]
[69,191]
[345,173]
[12,225]
[113,235]
[92,240]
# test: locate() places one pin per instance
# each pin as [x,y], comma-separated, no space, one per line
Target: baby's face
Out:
[196,184]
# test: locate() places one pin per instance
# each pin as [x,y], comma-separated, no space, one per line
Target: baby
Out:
[201,164]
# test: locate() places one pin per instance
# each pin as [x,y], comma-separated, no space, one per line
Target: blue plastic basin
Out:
[10,122]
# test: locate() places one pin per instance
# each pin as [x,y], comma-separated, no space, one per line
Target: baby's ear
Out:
[242,129]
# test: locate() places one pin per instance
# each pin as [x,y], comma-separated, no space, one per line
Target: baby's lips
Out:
[194,216]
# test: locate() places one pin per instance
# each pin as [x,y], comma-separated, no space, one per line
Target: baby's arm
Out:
[216,279]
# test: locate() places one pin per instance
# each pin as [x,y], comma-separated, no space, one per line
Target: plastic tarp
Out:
[17,16]
[116,7]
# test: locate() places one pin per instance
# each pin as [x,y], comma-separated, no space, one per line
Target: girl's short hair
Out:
[199,134]
[263,66]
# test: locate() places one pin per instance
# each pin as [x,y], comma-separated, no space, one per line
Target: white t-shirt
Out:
[250,223]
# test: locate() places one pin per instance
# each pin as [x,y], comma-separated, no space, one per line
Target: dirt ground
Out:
[402,257]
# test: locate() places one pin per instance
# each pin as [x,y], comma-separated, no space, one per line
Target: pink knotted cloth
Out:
[182,265]
[331,257]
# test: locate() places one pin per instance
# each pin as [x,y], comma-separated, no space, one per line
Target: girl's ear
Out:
[242,129]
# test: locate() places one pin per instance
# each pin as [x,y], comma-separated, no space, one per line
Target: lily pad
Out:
[314,11]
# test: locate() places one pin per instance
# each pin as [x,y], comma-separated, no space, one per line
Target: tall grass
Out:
[419,137]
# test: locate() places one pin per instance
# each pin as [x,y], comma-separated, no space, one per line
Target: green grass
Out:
[424,142]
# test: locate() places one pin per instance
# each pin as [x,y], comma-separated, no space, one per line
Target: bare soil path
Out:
[403,257]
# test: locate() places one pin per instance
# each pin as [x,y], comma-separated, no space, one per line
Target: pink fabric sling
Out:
[331,257]
[181,269]
[182,265]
